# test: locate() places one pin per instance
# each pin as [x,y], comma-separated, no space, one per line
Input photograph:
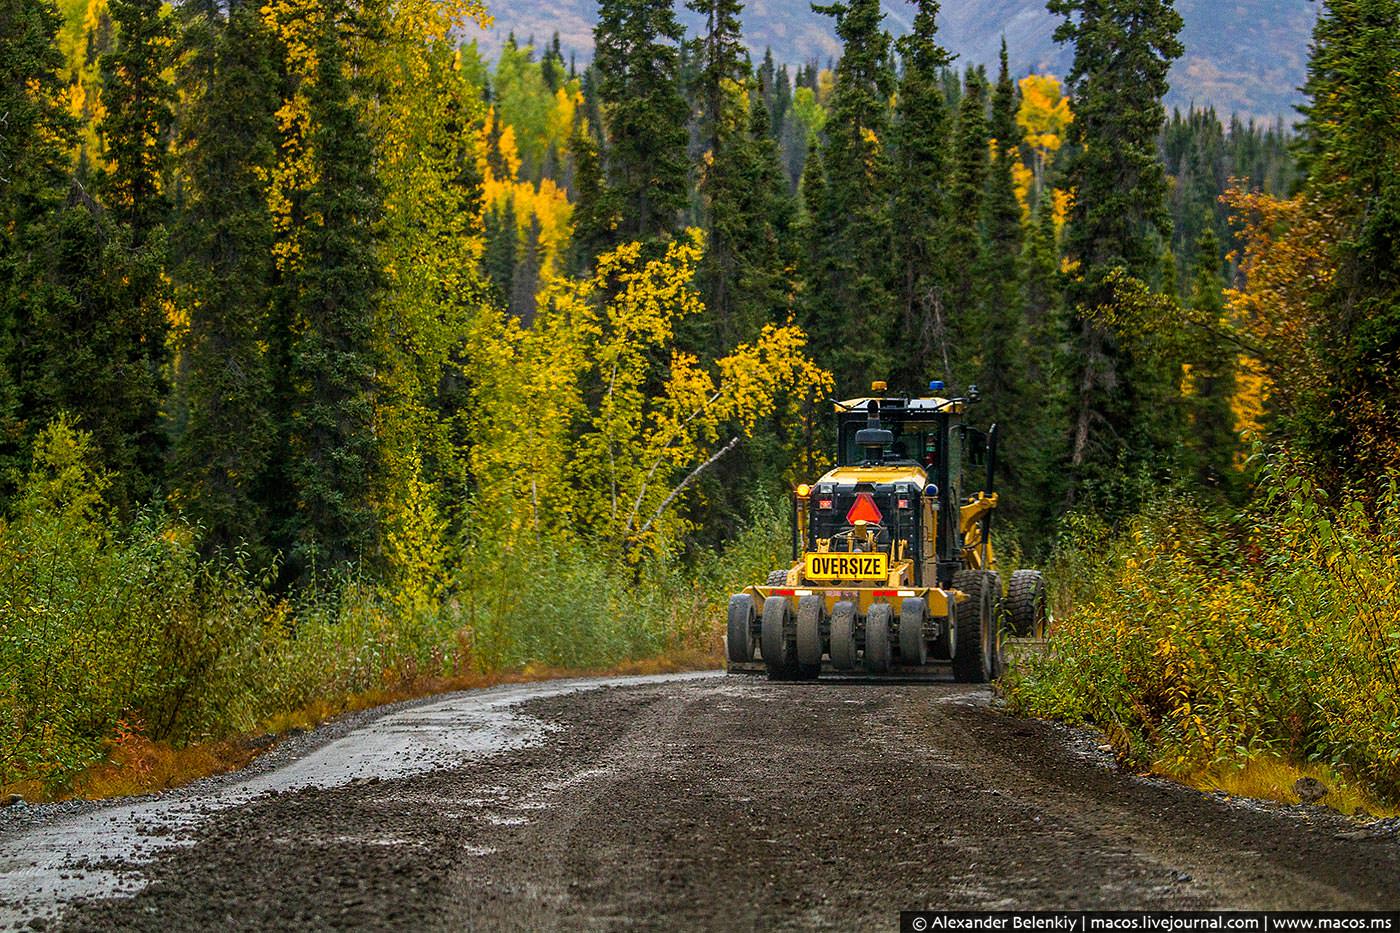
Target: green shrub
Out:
[1197,640]
[108,629]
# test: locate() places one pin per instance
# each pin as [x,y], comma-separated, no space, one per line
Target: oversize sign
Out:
[831,567]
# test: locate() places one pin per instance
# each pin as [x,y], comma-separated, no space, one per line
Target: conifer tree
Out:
[766,249]
[964,244]
[921,141]
[1123,51]
[226,273]
[333,297]
[596,213]
[638,63]
[722,87]
[851,310]
[1001,347]
[502,237]
[138,99]
[525,278]
[1211,441]
[1042,441]
[33,185]
[101,351]
[1351,151]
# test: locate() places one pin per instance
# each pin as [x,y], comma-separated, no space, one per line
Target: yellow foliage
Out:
[1251,395]
[1061,203]
[567,100]
[1044,117]
[545,202]
[1044,113]
[1286,262]
[613,468]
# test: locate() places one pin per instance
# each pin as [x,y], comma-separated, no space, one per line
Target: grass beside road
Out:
[129,662]
[1237,653]
[134,763]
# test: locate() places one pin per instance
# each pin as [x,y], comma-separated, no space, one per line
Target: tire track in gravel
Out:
[731,803]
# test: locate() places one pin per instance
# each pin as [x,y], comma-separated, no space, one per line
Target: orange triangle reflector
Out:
[865,510]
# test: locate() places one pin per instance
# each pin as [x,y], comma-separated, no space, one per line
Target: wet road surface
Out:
[693,802]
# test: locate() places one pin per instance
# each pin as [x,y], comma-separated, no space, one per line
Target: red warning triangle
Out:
[865,510]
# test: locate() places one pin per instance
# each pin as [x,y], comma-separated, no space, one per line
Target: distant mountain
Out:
[1242,56]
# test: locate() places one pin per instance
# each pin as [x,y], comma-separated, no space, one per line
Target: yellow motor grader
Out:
[893,566]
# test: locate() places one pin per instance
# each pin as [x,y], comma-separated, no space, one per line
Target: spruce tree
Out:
[525,278]
[638,63]
[963,245]
[1211,441]
[1001,346]
[851,309]
[99,347]
[1123,51]
[921,139]
[139,102]
[33,185]
[596,213]
[502,237]
[1351,151]
[333,296]
[723,124]
[766,250]
[225,271]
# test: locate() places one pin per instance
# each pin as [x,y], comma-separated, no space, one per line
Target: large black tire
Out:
[810,610]
[1027,604]
[777,578]
[843,636]
[913,616]
[976,659]
[739,640]
[779,651]
[877,638]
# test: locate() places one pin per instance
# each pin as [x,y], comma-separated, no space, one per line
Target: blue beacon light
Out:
[935,386]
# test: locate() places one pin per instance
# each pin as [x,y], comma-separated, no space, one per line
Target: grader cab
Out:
[893,571]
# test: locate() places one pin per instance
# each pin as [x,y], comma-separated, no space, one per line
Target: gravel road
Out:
[709,802]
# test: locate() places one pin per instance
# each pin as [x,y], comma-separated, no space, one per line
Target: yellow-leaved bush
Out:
[1197,643]
[589,423]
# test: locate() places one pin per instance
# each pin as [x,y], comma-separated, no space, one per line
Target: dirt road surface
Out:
[702,802]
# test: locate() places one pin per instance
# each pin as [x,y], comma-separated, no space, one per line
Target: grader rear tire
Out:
[843,636]
[1027,604]
[877,638]
[739,640]
[779,651]
[913,648]
[810,610]
[974,661]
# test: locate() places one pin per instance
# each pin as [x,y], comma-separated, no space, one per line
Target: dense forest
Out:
[337,358]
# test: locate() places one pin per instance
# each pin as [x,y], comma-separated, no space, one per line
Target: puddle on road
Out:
[44,867]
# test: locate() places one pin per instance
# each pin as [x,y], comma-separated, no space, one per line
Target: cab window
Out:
[914,442]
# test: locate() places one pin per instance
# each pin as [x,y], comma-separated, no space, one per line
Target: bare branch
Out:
[694,474]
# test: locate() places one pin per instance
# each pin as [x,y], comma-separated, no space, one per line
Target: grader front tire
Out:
[843,636]
[739,639]
[779,651]
[877,638]
[913,616]
[810,610]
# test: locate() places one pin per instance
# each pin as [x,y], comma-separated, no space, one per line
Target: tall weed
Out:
[109,630]
[1198,640]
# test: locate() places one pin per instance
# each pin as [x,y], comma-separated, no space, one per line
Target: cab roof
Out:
[911,405]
